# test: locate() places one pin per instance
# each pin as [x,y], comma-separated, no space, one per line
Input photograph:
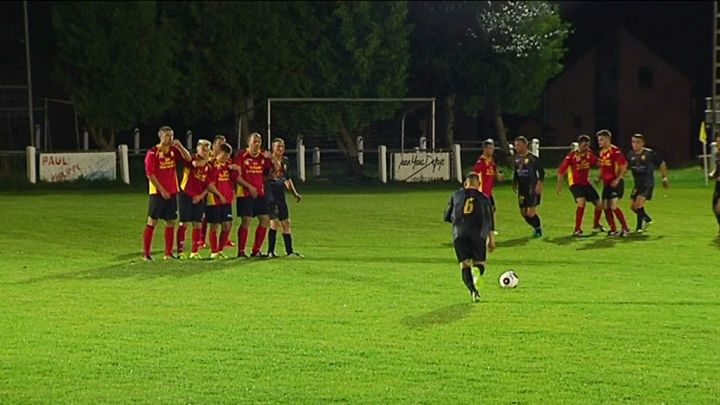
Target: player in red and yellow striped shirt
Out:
[577,165]
[613,166]
[161,171]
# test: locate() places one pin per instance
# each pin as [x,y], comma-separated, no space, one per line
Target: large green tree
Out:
[494,55]
[116,58]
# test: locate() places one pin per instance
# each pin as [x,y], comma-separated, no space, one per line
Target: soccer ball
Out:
[509,279]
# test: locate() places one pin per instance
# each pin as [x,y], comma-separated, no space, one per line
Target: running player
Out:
[470,213]
[528,183]
[251,200]
[160,169]
[487,170]
[577,165]
[643,162]
[279,180]
[612,169]
[219,204]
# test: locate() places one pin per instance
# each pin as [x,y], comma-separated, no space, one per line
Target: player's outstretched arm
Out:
[664,173]
[291,186]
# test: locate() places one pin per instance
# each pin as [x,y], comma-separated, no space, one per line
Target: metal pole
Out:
[402,133]
[47,123]
[29,75]
[269,131]
[433,123]
[715,75]
[77,130]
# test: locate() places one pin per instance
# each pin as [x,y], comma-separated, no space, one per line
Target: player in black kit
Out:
[276,182]
[643,162]
[528,180]
[716,175]
[470,212]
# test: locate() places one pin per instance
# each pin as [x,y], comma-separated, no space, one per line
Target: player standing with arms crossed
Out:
[161,171]
[251,201]
[642,162]
[279,180]
[612,169]
[487,170]
[528,183]
[470,213]
[577,165]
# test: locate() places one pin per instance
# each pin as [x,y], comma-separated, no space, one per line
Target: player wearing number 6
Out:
[470,213]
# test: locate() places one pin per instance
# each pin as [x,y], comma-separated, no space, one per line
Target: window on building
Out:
[645,77]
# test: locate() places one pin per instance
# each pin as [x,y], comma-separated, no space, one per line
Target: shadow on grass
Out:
[513,242]
[608,242]
[392,259]
[716,242]
[440,316]
[638,303]
[147,270]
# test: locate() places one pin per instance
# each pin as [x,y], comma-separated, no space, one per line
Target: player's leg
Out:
[154,211]
[638,206]
[213,235]
[592,195]
[272,236]
[260,209]
[203,232]
[463,252]
[619,190]
[533,218]
[244,211]
[716,205]
[579,213]
[170,216]
[196,239]
[284,217]
[185,207]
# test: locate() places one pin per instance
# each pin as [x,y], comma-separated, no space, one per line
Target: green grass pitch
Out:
[376,312]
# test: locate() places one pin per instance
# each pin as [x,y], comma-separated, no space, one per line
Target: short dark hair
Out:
[604,132]
[521,139]
[488,142]
[639,136]
[472,177]
[583,138]
[226,148]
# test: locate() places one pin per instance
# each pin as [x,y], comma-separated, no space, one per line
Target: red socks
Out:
[621,217]
[223,239]
[260,232]
[203,231]
[169,236]
[610,219]
[579,211]
[196,233]
[213,241]
[147,239]
[181,238]
[596,217]
[242,239]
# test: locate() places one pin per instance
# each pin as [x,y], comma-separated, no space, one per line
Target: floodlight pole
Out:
[29,75]
[269,131]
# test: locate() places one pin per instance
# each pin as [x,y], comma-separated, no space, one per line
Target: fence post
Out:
[136,140]
[423,143]
[86,140]
[574,146]
[316,161]
[458,162]
[188,140]
[38,134]
[382,163]
[301,160]
[31,164]
[535,149]
[124,164]
[360,148]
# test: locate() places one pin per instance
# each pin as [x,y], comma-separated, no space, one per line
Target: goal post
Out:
[431,100]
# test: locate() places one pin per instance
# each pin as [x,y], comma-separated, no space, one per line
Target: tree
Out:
[116,59]
[235,52]
[477,55]
[356,49]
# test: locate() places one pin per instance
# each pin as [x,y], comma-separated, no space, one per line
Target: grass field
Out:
[376,312]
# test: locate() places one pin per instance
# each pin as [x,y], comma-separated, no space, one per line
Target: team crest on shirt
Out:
[527,161]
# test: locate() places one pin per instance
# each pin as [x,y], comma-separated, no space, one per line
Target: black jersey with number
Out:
[470,213]
[276,185]
[528,171]
[643,166]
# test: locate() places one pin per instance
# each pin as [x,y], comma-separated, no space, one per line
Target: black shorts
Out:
[470,247]
[527,199]
[160,208]
[587,192]
[610,192]
[716,195]
[492,201]
[642,190]
[279,210]
[190,212]
[219,213]
[252,207]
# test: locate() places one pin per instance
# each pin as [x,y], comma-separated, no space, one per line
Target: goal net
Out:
[340,137]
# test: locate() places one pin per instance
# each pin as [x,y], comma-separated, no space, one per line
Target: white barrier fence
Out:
[71,166]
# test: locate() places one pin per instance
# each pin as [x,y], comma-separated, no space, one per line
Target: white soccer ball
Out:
[509,279]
